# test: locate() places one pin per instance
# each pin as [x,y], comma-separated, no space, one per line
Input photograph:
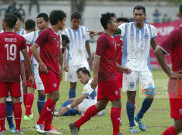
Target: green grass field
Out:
[157,118]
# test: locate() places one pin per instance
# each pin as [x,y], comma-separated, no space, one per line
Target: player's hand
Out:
[24,84]
[43,68]
[176,75]
[66,67]
[31,80]
[62,111]
[125,70]
[94,83]
[92,33]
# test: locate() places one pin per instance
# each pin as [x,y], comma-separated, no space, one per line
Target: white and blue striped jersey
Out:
[136,46]
[76,47]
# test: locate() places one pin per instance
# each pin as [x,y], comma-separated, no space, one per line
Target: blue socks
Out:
[130,112]
[71,112]
[66,103]
[9,113]
[40,104]
[145,106]
[72,93]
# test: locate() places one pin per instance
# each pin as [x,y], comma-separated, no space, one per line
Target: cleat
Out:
[18,132]
[3,132]
[39,128]
[120,134]
[141,123]
[26,117]
[31,116]
[52,128]
[134,130]
[12,130]
[74,129]
[53,132]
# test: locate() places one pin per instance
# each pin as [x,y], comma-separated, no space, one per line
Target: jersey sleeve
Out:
[87,35]
[170,41]
[42,38]
[154,31]
[87,90]
[102,44]
[122,29]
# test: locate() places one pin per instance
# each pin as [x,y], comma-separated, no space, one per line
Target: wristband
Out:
[69,106]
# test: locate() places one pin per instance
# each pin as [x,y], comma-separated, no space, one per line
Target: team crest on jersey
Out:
[180,111]
[54,85]
[116,92]
[146,35]
[132,85]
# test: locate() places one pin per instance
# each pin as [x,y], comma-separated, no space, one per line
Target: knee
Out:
[178,125]
[41,93]
[55,97]
[15,100]
[73,85]
[101,107]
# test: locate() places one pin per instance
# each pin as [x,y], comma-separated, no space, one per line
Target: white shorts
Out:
[130,81]
[71,75]
[83,106]
[38,81]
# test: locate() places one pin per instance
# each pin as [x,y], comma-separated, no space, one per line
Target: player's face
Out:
[61,24]
[75,23]
[139,16]
[114,25]
[18,24]
[83,77]
[41,23]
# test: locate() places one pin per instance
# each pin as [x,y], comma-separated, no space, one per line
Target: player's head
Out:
[139,14]
[180,12]
[122,20]
[83,75]
[58,18]
[42,21]
[30,25]
[75,20]
[19,19]
[9,21]
[65,40]
[108,21]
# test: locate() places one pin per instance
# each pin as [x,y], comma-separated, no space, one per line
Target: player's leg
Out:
[2,108]
[24,95]
[72,90]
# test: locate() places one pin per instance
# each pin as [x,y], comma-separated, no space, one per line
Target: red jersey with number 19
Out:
[10,46]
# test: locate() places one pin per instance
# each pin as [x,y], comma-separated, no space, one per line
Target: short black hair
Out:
[84,70]
[76,15]
[122,19]
[44,16]
[180,9]
[106,18]
[29,24]
[139,8]
[65,38]
[10,20]
[18,15]
[56,15]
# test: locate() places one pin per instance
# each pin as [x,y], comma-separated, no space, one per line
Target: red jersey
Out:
[106,49]
[173,45]
[10,46]
[28,45]
[119,47]
[49,43]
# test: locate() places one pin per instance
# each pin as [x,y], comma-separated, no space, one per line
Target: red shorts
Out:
[12,87]
[29,85]
[119,78]
[51,81]
[108,90]
[175,97]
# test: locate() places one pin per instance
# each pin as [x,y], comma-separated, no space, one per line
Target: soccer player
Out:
[104,71]
[11,45]
[173,45]
[138,37]
[88,97]
[49,62]
[29,89]
[79,41]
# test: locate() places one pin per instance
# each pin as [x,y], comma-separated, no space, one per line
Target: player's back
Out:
[10,46]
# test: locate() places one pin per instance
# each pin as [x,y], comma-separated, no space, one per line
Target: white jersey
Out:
[76,47]
[136,45]
[91,93]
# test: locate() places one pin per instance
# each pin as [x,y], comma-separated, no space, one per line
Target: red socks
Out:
[48,120]
[115,118]
[24,99]
[46,110]
[170,131]
[29,103]
[17,114]
[2,116]
[90,112]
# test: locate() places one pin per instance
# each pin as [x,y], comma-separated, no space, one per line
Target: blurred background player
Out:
[88,97]
[10,70]
[76,58]
[50,60]
[173,45]
[28,93]
[32,2]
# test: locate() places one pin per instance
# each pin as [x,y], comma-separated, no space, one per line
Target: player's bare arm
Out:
[123,69]
[74,104]
[153,43]
[87,45]
[95,71]
[66,67]
[23,73]
[34,50]
[159,53]
[28,65]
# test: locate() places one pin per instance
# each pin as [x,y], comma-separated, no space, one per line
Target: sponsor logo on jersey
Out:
[132,85]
